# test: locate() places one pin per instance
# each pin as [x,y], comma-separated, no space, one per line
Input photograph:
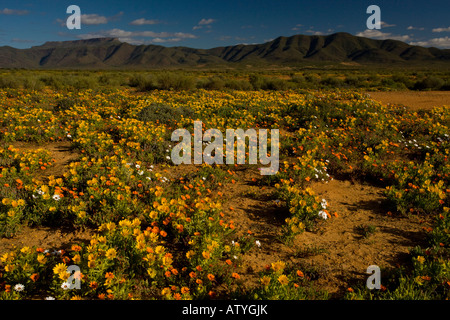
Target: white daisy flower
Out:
[65,286]
[258,244]
[19,287]
[323,214]
[49,298]
[56,197]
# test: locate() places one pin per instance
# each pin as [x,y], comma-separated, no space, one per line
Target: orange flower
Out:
[163,233]
[34,277]
[177,296]
[76,247]
[167,274]
[350,290]
[109,275]
[211,277]
[228,262]
[235,275]
[101,296]
[93,285]
[184,290]
[300,274]
[192,274]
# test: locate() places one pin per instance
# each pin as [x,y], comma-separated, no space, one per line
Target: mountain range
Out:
[110,53]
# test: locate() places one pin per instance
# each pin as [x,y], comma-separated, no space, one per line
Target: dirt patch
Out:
[414,100]
[347,250]
[44,237]
[337,249]
[61,152]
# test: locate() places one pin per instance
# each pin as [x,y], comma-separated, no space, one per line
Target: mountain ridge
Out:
[107,53]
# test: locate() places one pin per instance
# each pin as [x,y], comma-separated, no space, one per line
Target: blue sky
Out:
[208,24]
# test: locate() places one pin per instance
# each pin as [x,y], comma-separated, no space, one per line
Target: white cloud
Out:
[315,33]
[130,36]
[415,28]
[143,21]
[376,34]
[386,25]
[206,21]
[93,19]
[441,29]
[14,12]
[443,42]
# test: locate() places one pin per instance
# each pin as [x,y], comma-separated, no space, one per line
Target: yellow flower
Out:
[25,250]
[206,254]
[9,267]
[283,279]
[190,254]
[60,268]
[76,258]
[151,272]
[111,253]
[41,259]
[265,281]
[159,249]
[278,266]
[421,259]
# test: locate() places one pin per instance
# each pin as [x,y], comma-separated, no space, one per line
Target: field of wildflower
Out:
[158,231]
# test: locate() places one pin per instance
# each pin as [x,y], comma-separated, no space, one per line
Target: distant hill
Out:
[109,53]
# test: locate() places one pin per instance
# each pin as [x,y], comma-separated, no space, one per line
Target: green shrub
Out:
[163,113]
[175,81]
[238,85]
[213,83]
[429,83]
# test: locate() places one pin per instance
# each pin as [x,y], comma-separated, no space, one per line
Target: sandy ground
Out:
[413,99]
